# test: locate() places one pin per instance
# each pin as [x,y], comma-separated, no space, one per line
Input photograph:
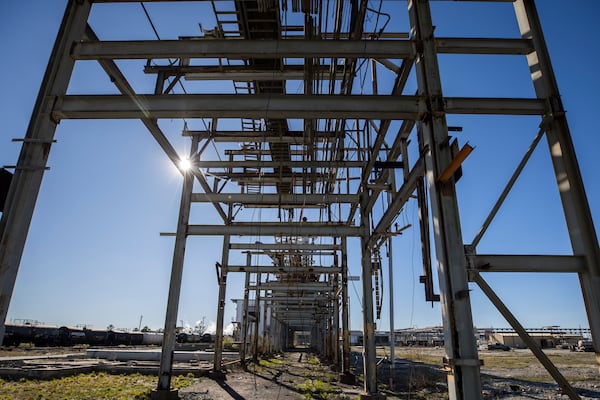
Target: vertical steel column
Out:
[463,379]
[369,356]
[265,348]
[256,317]
[392,333]
[163,389]
[345,312]
[244,347]
[31,165]
[336,326]
[570,184]
[221,302]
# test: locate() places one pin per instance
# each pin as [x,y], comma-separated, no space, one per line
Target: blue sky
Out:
[94,254]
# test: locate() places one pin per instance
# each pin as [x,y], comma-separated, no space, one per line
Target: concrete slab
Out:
[154,355]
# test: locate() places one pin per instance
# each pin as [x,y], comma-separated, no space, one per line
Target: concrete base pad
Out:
[172,394]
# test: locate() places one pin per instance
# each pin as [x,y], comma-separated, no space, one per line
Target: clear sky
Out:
[94,254]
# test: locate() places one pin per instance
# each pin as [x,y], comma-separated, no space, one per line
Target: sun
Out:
[185,164]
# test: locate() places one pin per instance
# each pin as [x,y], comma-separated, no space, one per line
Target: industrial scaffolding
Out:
[299,138]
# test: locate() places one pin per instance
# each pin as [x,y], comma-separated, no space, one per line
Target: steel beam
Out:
[369,350]
[222,279]
[526,263]
[272,269]
[250,76]
[294,229]
[483,46]
[238,49]
[294,137]
[294,286]
[464,381]
[531,343]
[399,200]
[273,199]
[26,182]
[276,164]
[168,345]
[283,246]
[244,346]
[345,311]
[267,106]
[257,318]
[580,225]
[256,106]
[494,106]
[231,70]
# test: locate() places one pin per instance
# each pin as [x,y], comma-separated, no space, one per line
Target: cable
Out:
[149,20]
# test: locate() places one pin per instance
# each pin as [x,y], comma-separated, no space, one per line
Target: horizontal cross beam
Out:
[293,229]
[237,49]
[247,48]
[272,269]
[282,246]
[527,263]
[274,199]
[277,164]
[269,106]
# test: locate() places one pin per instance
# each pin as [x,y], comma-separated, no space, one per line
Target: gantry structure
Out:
[292,151]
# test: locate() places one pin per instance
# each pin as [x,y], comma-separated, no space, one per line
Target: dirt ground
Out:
[505,375]
[418,374]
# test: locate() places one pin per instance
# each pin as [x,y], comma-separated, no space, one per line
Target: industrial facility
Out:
[311,125]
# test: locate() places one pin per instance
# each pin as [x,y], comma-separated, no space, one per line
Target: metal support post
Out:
[257,314]
[392,334]
[463,378]
[574,200]
[265,348]
[221,303]
[27,179]
[336,326]
[163,389]
[346,375]
[369,356]
[244,347]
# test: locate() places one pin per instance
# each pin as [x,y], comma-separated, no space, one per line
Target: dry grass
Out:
[86,386]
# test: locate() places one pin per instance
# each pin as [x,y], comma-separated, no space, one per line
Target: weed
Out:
[86,387]
[271,362]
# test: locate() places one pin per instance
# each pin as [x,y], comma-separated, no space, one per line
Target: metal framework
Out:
[319,160]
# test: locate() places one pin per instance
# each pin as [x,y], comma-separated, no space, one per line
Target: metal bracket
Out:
[462,362]
[28,168]
[29,140]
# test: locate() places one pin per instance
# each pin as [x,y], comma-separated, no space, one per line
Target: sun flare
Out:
[185,164]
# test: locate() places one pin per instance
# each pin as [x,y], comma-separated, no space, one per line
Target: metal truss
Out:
[322,157]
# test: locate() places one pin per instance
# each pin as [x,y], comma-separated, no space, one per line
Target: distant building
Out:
[543,339]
